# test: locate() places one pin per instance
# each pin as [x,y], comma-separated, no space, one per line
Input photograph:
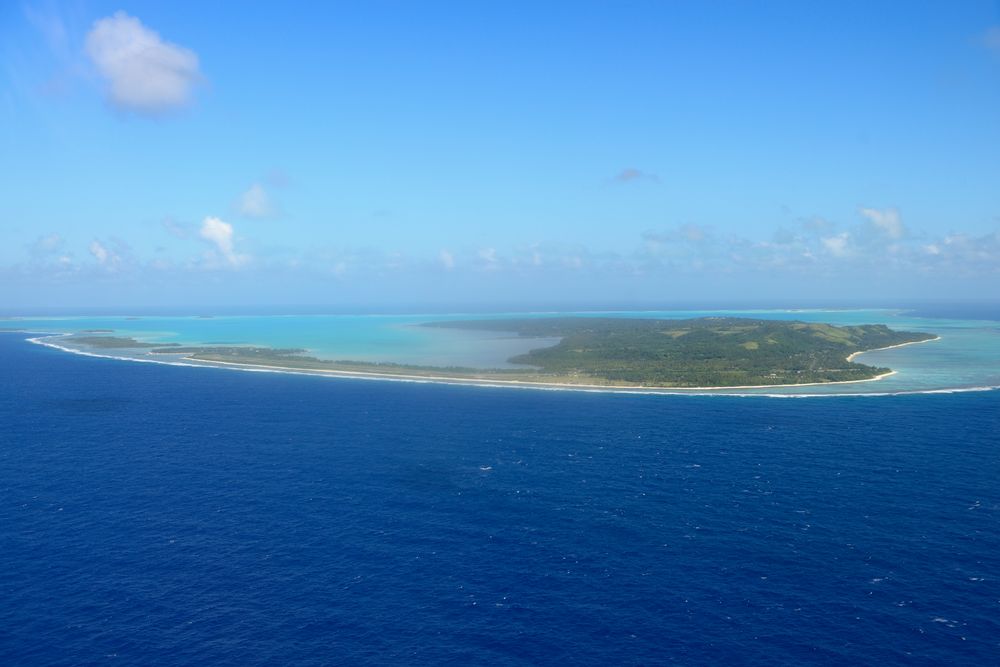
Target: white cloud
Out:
[99,252]
[144,73]
[105,256]
[255,203]
[887,221]
[220,234]
[447,260]
[838,245]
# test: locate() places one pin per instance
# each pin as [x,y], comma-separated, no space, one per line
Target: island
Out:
[701,352]
[706,352]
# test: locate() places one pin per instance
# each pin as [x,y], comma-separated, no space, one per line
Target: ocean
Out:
[155,514]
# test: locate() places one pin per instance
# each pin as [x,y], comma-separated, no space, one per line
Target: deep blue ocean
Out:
[165,515]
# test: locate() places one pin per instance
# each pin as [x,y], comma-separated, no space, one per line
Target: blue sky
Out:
[435,153]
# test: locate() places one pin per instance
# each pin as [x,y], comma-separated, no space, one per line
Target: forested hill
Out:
[703,352]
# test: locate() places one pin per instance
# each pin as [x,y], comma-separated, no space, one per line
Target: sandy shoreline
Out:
[446,379]
[851,356]
[712,391]
[491,382]
[478,382]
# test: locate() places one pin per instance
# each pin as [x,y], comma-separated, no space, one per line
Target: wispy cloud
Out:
[488,259]
[176,229]
[111,256]
[46,245]
[47,67]
[447,259]
[633,175]
[880,243]
[991,38]
[255,202]
[886,221]
[144,73]
[51,26]
[873,247]
[100,253]
[682,234]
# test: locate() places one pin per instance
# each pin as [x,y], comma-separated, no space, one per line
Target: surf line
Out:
[515,384]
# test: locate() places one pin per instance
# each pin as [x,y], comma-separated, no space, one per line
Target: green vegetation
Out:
[703,352]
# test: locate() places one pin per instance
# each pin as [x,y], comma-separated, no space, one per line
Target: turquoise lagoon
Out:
[967,356]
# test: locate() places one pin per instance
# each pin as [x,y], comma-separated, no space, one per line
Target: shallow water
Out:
[967,356]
